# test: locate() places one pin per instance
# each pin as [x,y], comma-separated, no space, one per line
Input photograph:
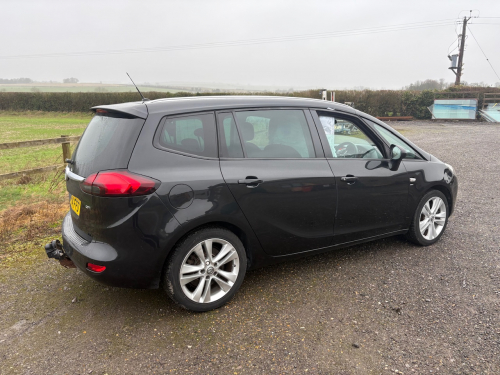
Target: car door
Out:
[277,173]
[372,198]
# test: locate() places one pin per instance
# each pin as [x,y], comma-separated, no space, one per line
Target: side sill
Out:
[341,245]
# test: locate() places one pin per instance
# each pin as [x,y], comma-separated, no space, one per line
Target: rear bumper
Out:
[121,271]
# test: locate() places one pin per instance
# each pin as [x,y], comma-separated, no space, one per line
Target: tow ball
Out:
[55,250]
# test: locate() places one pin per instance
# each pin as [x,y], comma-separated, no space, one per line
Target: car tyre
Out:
[429,220]
[205,269]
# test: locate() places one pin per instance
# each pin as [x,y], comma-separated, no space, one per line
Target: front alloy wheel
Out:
[430,219]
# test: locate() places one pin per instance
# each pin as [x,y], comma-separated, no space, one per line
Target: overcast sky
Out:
[375,59]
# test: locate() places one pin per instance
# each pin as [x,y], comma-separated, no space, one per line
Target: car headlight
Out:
[450,168]
[448,173]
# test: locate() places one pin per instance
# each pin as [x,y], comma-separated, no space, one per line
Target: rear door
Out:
[372,198]
[275,169]
[106,144]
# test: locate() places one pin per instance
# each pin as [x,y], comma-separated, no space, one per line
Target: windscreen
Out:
[107,143]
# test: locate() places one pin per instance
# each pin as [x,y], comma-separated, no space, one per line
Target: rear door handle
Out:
[251,181]
[350,179]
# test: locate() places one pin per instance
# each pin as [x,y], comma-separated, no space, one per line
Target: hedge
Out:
[374,102]
[68,102]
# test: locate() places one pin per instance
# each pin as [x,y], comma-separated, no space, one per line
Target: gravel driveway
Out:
[382,307]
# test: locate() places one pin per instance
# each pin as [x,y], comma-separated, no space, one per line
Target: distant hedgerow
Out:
[373,102]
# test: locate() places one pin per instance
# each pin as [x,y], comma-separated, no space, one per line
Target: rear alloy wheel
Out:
[206,269]
[430,219]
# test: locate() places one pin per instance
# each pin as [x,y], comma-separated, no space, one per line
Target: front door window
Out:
[346,140]
[392,139]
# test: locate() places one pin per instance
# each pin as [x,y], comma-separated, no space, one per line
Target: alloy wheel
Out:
[432,218]
[209,270]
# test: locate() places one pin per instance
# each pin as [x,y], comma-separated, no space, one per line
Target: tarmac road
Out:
[383,307]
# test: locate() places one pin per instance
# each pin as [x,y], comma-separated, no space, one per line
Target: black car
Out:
[190,193]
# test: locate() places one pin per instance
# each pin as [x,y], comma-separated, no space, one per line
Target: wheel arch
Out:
[240,233]
[446,192]
[248,244]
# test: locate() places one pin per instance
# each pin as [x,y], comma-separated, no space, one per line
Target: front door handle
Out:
[251,181]
[350,179]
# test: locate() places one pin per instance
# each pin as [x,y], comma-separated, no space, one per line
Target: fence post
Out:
[65,149]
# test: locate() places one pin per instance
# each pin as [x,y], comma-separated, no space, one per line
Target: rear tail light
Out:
[95,267]
[120,183]
[86,185]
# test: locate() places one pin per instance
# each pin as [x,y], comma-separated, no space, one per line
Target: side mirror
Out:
[397,156]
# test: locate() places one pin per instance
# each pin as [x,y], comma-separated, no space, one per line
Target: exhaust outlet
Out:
[55,250]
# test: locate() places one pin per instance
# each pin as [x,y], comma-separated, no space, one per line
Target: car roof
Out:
[202,103]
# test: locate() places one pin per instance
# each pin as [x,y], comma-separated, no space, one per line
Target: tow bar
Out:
[55,250]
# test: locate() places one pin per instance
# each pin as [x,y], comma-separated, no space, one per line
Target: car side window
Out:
[193,134]
[280,133]
[394,140]
[230,140]
[346,139]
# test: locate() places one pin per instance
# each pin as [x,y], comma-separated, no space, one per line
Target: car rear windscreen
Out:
[107,143]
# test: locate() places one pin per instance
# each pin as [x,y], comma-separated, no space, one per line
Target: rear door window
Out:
[191,134]
[280,133]
[107,143]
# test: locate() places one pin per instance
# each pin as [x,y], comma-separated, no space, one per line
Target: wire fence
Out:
[65,142]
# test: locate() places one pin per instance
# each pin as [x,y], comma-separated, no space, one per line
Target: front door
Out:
[372,198]
[287,194]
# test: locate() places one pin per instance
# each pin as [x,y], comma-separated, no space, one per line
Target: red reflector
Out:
[95,268]
[118,184]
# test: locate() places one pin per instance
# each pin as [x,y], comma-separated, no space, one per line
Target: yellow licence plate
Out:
[75,204]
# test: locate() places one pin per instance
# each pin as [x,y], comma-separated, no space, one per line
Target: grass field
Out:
[28,126]
[32,206]
[79,87]
[20,159]
[15,126]
[36,125]
[32,190]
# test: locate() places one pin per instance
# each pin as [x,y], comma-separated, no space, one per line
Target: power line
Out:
[236,43]
[289,38]
[450,51]
[483,53]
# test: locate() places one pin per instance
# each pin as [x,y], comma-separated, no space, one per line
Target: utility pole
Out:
[458,73]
